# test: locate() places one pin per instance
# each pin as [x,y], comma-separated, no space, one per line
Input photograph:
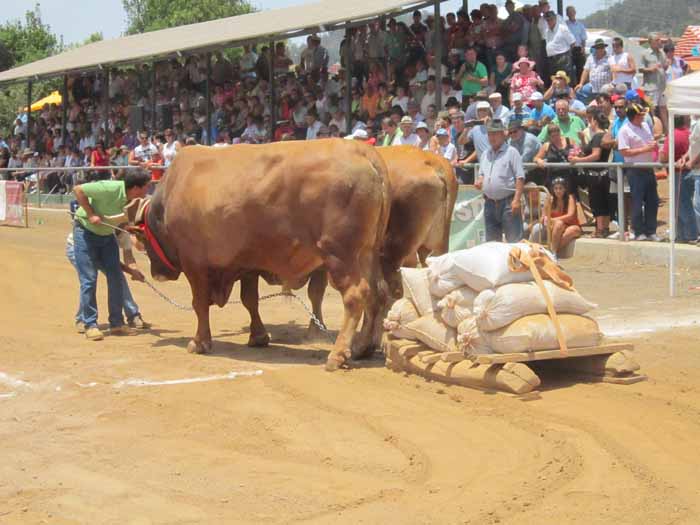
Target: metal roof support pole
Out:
[348,80]
[560,7]
[465,8]
[64,107]
[437,59]
[208,98]
[273,91]
[29,110]
[153,98]
[105,104]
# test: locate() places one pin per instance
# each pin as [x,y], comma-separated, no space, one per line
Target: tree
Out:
[151,15]
[640,17]
[27,41]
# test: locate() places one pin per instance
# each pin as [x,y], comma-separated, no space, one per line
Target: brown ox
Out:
[423,195]
[287,209]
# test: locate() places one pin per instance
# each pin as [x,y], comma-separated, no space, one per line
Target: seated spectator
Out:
[472,76]
[446,148]
[407,136]
[541,113]
[525,80]
[526,143]
[570,125]
[565,226]
[498,110]
[518,111]
[423,133]
[597,69]
[478,135]
[557,149]
[501,75]
[559,88]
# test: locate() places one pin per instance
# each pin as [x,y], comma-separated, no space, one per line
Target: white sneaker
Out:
[654,238]
[640,237]
[615,235]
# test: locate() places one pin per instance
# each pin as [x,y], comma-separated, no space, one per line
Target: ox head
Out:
[145,228]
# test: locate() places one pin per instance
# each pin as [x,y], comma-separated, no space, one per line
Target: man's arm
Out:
[584,78]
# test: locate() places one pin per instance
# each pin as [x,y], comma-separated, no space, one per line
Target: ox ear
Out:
[134,211]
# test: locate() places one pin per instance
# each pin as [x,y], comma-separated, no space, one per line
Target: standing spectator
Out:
[429,97]
[597,69]
[472,75]
[170,148]
[687,228]
[423,133]
[377,44]
[99,158]
[407,136]
[478,135]
[524,80]
[501,178]
[143,153]
[526,143]
[693,163]
[535,40]
[515,31]
[636,144]
[597,180]
[501,75]
[622,64]
[312,124]
[653,70]
[676,67]
[578,51]
[559,42]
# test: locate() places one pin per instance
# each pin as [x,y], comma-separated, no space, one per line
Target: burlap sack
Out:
[416,288]
[431,331]
[401,313]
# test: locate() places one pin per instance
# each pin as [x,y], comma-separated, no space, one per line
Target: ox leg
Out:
[250,299]
[355,290]
[317,288]
[201,343]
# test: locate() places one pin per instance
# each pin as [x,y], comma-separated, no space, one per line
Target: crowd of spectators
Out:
[559,101]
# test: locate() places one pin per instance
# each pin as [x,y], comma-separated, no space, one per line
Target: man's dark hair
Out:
[136,178]
[618,41]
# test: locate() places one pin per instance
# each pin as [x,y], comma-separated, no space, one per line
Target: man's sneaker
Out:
[119,330]
[640,237]
[614,236]
[138,323]
[80,327]
[94,334]
[654,238]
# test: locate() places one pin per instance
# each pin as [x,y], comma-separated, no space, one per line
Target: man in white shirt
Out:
[498,110]
[407,136]
[429,97]
[622,64]
[559,41]
[312,124]
[143,153]
[636,143]
[446,148]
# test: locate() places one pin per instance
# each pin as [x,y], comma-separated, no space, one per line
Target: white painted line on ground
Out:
[615,327]
[145,382]
[8,395]
[13,381]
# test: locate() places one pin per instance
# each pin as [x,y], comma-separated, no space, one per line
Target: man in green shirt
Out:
[472,75]
[571,126]
[96,246]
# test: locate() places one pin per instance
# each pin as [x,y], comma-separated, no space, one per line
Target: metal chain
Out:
[288,294]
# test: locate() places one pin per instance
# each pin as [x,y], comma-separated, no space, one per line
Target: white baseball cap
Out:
[536,96]
[517,96]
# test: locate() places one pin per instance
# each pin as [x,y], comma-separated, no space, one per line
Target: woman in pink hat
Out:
[525,80]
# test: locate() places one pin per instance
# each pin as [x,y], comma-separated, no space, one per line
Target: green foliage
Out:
[26,41]
[151,15]
[640,17]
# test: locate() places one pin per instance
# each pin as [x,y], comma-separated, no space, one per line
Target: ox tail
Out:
[449,181]
[384,274]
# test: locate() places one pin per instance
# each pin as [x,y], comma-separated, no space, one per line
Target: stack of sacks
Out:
[495,309]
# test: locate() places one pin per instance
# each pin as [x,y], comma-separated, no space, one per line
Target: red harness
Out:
[155,245]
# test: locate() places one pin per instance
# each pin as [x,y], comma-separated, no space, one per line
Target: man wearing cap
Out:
[423,133]
[636,144]
[472,75]
[541,114]
[501,178]
[470,112]
[478,135]
[526,143]
[518,111]
[622,64]
[578,52]
[407,136]
[559,41]
[597,69]
[498,110]
[446,149]
[569,124]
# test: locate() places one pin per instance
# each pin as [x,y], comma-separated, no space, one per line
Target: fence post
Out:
[621,228]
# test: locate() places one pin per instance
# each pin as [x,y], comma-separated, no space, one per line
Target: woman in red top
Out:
[99,158]
[565,226]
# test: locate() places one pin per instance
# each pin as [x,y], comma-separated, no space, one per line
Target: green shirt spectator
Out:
[107,198]
[472,75]
[569,129]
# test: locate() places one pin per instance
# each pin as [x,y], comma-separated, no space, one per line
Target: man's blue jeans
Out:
[94,253]
[686,226]
[645,200]
[499,219]
[696,200]
[131,309]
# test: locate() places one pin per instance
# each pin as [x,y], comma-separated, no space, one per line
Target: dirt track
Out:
[298,444]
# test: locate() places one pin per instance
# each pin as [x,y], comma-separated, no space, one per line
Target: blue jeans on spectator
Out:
[94,253]
[686,225]
[499,219]
[131,309]
[645,200]
[696,201]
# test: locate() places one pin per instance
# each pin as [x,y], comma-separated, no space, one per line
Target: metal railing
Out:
[620,179]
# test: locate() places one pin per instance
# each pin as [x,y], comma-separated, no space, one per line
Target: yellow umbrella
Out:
[53,98]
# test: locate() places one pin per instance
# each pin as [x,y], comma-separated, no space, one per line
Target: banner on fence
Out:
[11,203]
[467,229]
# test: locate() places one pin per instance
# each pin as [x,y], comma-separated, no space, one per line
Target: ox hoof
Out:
[336,362]
[260,340]
[195,347]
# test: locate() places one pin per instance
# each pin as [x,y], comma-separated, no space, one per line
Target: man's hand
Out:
[137,275]
[95,220]
[479,183]
[578,87]
[515,205]
[652,146]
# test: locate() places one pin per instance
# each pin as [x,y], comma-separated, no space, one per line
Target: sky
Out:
[77,19]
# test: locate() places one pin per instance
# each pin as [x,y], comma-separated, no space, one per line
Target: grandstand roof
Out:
[262,26]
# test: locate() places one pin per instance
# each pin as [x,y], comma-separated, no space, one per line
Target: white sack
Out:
[416,288]
[401,313]
[497,308]
[430,330]
[457,305]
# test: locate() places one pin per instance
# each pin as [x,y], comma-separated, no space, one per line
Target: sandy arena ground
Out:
[292,443]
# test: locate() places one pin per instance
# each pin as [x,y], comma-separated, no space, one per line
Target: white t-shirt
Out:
[145,153]
[559,40]
[633,137]
[410,140]
[621,60]
[448,151]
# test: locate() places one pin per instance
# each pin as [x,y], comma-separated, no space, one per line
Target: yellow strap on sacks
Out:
[529,260]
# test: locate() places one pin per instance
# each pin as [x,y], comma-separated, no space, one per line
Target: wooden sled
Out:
[611,363]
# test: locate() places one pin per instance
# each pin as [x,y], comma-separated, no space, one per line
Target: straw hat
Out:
[562,75]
